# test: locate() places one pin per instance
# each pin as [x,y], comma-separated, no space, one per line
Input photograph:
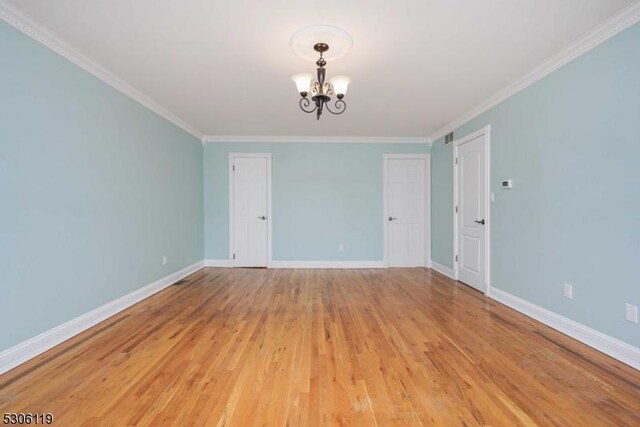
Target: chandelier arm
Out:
[340,107]
[304,105]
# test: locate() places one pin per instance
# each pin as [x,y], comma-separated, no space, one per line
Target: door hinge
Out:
[456,209]
[456,258]
[456,160]
[234,256]
[233,168]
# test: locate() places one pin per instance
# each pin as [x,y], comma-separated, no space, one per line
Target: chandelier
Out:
[320,92]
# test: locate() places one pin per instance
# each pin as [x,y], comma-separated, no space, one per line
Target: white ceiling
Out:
[224,66]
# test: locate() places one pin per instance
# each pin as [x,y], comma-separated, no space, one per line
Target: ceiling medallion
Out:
[321,92]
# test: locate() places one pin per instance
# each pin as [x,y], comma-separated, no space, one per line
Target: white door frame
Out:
[232,157]
[427,203]
[486,131]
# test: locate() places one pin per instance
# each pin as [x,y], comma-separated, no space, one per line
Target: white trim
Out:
[212,139]
[217,263]
[418,156]
[35,346]
[13,17]
[442,269]
[486,132]
[427,205]
[619,22]
[427,215]
[613,347]
[233,156]
[327,264]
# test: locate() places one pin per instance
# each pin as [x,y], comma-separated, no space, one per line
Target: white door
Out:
[250,211]
[405,211]
[471,221]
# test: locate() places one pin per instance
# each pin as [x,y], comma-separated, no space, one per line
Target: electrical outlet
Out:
[631,313]
[164,260]
[568,290]
[341,247]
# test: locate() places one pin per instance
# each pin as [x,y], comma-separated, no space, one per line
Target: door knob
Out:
[392,218]
[480,222]
[262,217]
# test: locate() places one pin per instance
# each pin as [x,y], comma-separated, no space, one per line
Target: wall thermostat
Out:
[507,183]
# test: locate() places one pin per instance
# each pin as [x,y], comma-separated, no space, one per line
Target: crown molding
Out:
[212,139]
[34,30]
[614,25]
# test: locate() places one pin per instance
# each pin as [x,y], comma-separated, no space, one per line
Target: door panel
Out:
[406,207]
[471,211]
[250,231]
[471,250]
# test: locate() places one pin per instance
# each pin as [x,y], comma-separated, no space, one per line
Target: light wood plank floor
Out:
[249,347]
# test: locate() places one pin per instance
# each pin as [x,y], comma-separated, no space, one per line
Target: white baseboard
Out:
[31,348]
[608,345]
[327,264]
[442,269]
[217,263]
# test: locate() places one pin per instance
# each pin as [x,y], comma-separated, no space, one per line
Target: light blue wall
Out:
[323,195]
[442,203]
[571,144]
[94,190]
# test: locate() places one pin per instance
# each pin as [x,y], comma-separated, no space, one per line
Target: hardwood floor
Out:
[248,347]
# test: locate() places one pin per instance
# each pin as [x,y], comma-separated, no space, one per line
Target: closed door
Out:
[250,211]
[471,221]
[405,212]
